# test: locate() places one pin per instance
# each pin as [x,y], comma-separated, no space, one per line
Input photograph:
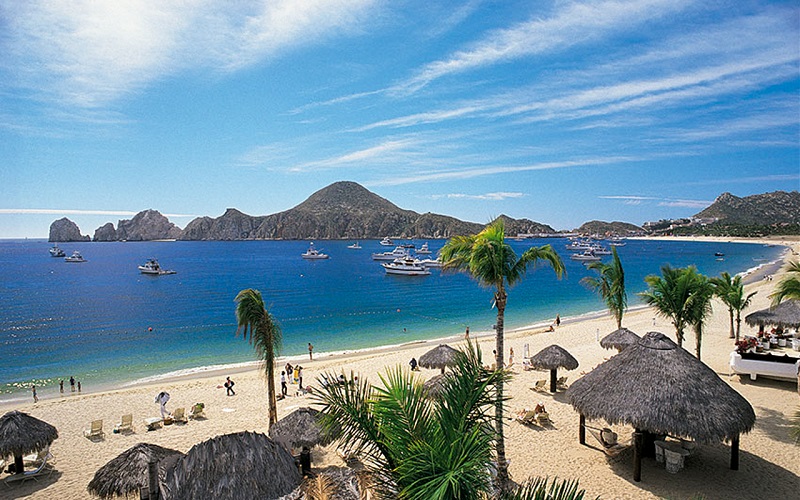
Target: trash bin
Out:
[659,452]
[674,460]
[305,461]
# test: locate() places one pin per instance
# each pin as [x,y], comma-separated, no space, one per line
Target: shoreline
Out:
[750,275]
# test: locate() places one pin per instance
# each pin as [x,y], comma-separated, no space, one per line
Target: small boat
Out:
[408,245]
[386,242]
[586,256]
[427,263]
[405,266]
[719,254]
[354,246]
[152,267]
[600,250]
[56,252]
[75,257]
[397,253]
[313,254]
[423,250]
[579,245]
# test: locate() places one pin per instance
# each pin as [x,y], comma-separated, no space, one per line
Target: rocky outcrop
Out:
[66,230]
[105,232]
[524,226]
[777,207]
[232,225]
[147,226]
[608,228]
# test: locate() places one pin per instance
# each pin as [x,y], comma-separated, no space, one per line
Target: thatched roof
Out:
[658,387]
[244,465]
[21,434]
[435,385]
[619,339]
[553,357]
[127,473]
[299,428]
[343,484]
[787,313]
[439,357]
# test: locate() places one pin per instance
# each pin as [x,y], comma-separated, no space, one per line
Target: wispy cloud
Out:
[661,202]
[498,196]
[749,180]
[58,211]
[700,204]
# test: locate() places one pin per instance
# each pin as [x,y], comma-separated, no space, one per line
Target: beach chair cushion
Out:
[197,411]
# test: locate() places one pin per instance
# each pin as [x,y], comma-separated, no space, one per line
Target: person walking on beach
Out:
[413,364]
[296,374]
[466,334]
[284,389]
[72,384]
[310,349]
[229,387]
[61,385]
[289,371]
[79,386]
[300,376]
[35,397]
[558,320]
[511,356]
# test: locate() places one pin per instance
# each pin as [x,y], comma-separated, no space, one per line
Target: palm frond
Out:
[543,489]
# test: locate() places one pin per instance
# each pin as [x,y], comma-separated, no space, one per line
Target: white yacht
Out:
[313,254]
[56,252]
[406,267]
[152,267]
[386,242]
[75,257]
[397,253]
[423,250]
[586,256]
[600,250]
[428,263]
[354,246]
[579,245]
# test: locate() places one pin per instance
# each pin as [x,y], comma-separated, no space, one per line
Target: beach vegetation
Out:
[700,304]
[730,291]
[543,489]
[610,285]
[493,263]
[789,285]
[258,326]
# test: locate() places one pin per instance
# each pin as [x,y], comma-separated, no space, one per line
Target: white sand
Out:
[769,460]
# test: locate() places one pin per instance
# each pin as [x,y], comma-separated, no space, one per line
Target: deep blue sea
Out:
[106,324]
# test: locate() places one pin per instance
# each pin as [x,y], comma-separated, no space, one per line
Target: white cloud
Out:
[69,211]
[497,196]
[686,203]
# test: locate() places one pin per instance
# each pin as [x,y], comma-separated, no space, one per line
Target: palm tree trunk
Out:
[500,445]
[730,311]
[272,403]
[738,324]
[698,335]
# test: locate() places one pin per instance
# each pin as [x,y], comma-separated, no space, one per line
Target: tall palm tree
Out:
[789,286]
[669,295]
[610,284]
[699,304]
[730,291]
[258,326]
[493,263]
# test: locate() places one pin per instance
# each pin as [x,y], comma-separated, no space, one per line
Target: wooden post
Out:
[553,381]
[735,453]
[638,445]
[19,464]
[152,479]
[582,431]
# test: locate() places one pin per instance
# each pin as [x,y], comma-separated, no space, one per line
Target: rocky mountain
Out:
[603,228]
[524,226]
[777,207]
[232,225]
[147,225]
[65,230]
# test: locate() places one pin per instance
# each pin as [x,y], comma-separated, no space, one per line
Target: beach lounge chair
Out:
[526,365]
[44,468]
[527,418]
[95,431]
[541,385]
[179,416]
[611,447]
[125,424]
[152,423]
[197,411]
[37,458]
[562,383]
[543,418]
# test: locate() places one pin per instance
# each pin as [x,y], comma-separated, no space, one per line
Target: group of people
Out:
[294,374]
[72,383]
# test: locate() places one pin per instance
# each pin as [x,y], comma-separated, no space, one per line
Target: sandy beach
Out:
[769,459]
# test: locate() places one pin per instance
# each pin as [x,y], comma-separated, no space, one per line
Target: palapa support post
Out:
[735,453]
[638,445]
[553,385]
[582,430]
[152,480]
[19,464]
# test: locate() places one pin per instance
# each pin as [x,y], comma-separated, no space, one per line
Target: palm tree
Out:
[257,324]
[730,291]
[789,286]
[669,295]
[610,284]
[699,304]
[493,263]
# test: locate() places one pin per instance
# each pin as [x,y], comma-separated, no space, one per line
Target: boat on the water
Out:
[354,246]
[313,254]
[600,250]
[152,267]
[424,250]
[405,266]
[386,242]
[56,252]
[427,263]
[586,256]
[579,245]
[75,257]
[719,254]
[397,253]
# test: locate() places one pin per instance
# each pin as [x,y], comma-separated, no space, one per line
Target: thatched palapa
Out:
[435,385]
[552,358]
[21,434]
[787,313]
[128,472]
[440,357]
[619,339]
[659,388]
[300,428]
[244,465]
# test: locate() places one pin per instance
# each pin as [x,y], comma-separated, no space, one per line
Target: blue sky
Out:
[557,111]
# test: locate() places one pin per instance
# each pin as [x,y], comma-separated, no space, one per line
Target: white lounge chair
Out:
[44,469]
[153,423]
[95,431]
[125,424]
[179,415]
[37,458]
[541,385]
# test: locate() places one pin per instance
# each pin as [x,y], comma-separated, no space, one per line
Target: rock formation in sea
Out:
[232,225]
[106,232]
[147,225]
[65,230]
[605,228]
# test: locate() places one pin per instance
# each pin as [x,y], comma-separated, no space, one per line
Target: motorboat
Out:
[405,266]
[616,242]
[75,257]
[586,256]
[56,252]
[408,245]
[579,246]
[424,250]
[313,254]
[386,242]
[428,263]
[152,267]
[354,246]
[719,254]
[397,253]
[600,250]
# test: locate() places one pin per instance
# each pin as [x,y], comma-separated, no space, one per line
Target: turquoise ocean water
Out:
[106,324]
